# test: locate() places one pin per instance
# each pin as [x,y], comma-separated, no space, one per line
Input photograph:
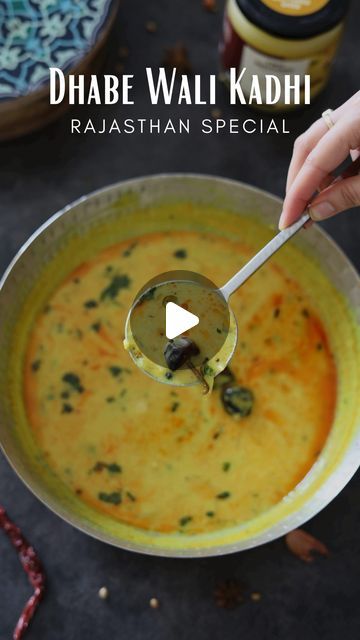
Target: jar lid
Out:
[298,19]
[38,34]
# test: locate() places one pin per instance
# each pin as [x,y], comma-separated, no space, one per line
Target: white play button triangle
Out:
[178,320]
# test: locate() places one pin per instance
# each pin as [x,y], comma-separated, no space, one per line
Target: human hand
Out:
[317,153]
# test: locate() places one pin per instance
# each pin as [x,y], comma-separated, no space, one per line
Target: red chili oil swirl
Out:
[32,567]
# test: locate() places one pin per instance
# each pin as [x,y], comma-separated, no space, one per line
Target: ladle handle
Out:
[264,254]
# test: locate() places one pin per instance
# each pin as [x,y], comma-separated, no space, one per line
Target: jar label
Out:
[262,65]
[296,7]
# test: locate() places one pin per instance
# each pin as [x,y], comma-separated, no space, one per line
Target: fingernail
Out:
[321,211]
[281,221]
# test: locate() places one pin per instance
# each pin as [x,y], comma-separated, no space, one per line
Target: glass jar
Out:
[282,37]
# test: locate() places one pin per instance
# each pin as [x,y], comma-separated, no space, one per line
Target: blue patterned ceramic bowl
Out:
[36,35]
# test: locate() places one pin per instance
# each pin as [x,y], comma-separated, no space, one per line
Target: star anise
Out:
[229,594]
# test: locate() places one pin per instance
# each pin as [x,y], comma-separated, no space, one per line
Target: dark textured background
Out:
[43,172]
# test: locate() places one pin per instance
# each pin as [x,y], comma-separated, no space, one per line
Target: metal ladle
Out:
[262,256]
[218,364]
[251,267]
[279,240]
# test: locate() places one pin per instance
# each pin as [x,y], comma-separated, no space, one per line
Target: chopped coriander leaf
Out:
[276,312]
[112,498]
[65,395]
[185,520]
[168,375]
[115,371]
[74,381]
[131,496]
[96,327]
[208,371]
[90,304]
[223,495]
[226,466]
[66,408]
[35,365]
[210,514]
[117,283]
[148,295]
[129,250]
[180,253]
[175,406]
[110,399]
[113,467]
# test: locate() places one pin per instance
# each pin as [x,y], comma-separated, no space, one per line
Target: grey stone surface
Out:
[38,175]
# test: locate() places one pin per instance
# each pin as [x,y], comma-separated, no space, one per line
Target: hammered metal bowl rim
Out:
[340,477]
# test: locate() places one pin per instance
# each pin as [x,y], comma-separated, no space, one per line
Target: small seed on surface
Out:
[256,596]
[154,603]
[103,593]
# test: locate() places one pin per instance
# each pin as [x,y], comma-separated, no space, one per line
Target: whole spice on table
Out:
[154,603]
[32,567]
[304,545]
[210,5]
[151,26]
[229,594]
[216,114]
[103,593]
[177,57]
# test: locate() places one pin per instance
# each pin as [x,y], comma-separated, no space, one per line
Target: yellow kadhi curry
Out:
[169,459]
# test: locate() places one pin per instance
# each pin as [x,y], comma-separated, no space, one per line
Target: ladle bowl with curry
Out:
[163,469]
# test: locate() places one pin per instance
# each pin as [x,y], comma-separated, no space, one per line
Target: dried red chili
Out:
[32,567]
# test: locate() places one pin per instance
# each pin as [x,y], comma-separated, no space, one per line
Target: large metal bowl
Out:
[327,477]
